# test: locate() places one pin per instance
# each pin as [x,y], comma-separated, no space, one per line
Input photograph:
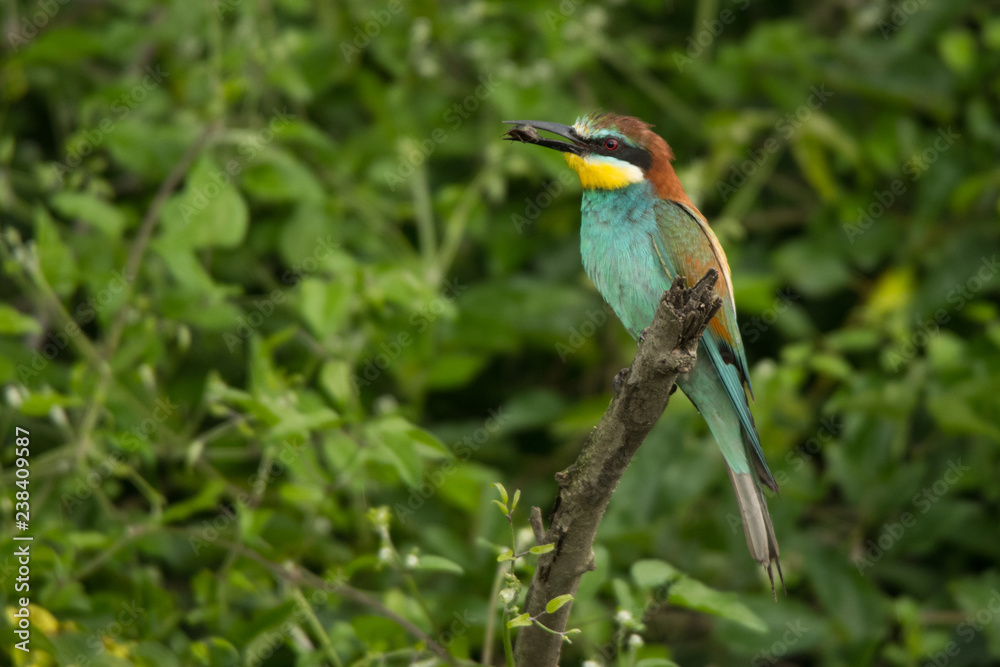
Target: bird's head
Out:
[607,151]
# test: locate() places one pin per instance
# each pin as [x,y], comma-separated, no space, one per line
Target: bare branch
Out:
[667,349]
[537,527]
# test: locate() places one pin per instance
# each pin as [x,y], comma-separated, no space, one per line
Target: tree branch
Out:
[666,349]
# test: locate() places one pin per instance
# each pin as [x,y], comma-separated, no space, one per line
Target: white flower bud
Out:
[14,398]
[623,616]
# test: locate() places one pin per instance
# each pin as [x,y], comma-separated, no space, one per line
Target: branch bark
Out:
[666,349]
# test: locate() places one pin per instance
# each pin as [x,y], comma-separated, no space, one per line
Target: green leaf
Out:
[623,593]
[503,508]
[149,150]
[831,364]
[60,44]
[517,497]
[812,158]
[206,500]
[335,378]
[542,548]
[41,404]
[292,422]
[812,270]
[274,175]
[453,371]
[378,633]
[14,322]
[324,305]
[431,446]
[438,564]
[54,257]
[464,488]
[197,290]
[503,492]
[958,49]
[215,652]
[92,210]
[955,415]
[210,212]
[651,573]
[976,596]
[688,592]
[506,555]
[656,662]
[557,603]
[398,449]
[518,621]
[693,594]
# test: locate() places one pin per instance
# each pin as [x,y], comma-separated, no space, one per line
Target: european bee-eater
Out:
[639,231]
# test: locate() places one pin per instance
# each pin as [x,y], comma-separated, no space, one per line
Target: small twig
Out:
[91,566]
[324,638]
[491,616]
[146,227]
[295,574]
[537,527]
[423,212]
[136,253]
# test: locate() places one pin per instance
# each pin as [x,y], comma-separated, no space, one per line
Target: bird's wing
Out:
[697,251]
[687,246]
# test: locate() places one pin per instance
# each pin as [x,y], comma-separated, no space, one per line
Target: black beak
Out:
[527,132]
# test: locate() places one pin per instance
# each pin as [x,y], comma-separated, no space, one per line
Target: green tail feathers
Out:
[747,469]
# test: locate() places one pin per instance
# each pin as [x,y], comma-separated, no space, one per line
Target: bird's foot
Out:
[642,337]
[617,383]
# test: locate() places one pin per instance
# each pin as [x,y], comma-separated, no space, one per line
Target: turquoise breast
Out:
[617,251]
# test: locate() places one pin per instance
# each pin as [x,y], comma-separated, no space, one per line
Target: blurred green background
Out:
[275,294]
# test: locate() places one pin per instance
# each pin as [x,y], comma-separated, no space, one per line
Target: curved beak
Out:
[526,131]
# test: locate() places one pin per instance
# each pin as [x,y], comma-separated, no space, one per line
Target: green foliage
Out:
[509,596]
[279,306]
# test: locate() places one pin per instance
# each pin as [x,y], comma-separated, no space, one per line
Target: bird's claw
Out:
[617,383]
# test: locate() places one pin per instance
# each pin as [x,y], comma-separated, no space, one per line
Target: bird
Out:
[639,230]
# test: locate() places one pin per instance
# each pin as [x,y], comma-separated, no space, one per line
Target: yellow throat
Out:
[603,173]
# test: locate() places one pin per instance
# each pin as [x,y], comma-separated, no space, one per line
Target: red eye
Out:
[611,144]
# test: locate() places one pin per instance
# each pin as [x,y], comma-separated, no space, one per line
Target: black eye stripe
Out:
[637,156]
